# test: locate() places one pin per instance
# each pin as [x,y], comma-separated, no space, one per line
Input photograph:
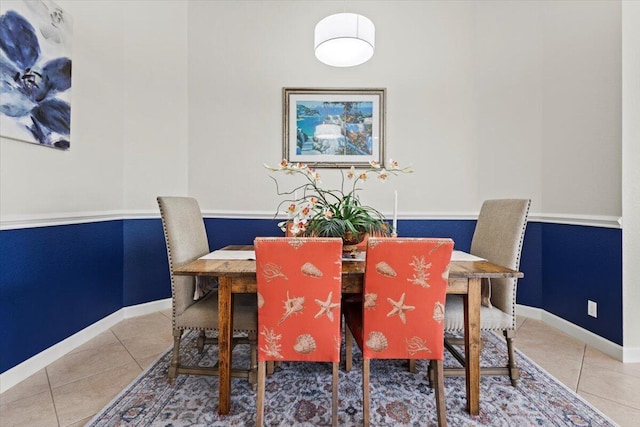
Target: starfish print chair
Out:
[299,288]
[186,240]
[402,314]
[498,238]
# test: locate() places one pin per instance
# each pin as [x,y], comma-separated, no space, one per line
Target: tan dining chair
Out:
[299,288]
[402,314]
[186,240]
[498,238]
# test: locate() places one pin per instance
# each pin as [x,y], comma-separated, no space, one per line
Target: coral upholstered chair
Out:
[299,289]
[186,240]
[402,315]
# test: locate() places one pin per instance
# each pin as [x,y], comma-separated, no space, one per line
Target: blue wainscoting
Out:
[56,281]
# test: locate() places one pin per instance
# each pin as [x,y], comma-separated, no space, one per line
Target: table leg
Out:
[225,326]
[472,345]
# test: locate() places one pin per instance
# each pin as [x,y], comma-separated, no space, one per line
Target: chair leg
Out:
[253,352]
[334,395]
[175,358]
[514,370]
[348,349]
[365,391]
[441,407]
[412,365]
[202,337]
[260,397]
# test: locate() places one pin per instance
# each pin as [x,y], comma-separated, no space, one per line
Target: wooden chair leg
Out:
[365,391]
[348,349]
[514,370]
[253,353]
[202,337]
[175,357]
[412,365]
[334,395]
[260,396]
[441,406]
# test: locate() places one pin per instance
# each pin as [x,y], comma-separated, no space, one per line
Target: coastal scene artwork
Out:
[35,72]
[334,127]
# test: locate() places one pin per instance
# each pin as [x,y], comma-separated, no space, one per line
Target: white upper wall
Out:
[485,99]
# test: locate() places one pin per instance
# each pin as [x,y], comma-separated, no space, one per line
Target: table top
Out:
[235,268]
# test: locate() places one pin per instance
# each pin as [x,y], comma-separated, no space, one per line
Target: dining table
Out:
[236,273]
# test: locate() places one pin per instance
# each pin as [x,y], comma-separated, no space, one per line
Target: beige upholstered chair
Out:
[186,240]
[498,238]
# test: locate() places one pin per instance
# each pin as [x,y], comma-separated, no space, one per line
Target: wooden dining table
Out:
[239,276]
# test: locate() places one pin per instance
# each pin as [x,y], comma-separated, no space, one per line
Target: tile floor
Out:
[74,388]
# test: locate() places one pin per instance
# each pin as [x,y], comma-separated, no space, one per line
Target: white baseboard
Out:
[625,355]
[41,360]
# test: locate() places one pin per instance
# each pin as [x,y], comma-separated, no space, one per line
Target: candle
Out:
[395,213]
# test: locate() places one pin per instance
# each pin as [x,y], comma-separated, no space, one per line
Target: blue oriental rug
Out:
[299,394]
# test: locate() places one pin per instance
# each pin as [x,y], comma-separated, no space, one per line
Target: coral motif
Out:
[271,271]
[438,312]
[296,243]
[310,270]
[273,346]
[377,341]
[260,300]
[416,345]
[291,306]
[421,274]
[399,308]
[385,269]
[370,300]
[326,307]
[305,344]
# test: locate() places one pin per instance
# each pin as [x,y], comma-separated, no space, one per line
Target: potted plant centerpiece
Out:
[333,212]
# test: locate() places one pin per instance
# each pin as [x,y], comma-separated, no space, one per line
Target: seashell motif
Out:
[377,341]
[438,312]
[296,243]
[385,269]
[305,344]
[260,300]
[370,300]
[291,306]
[310,270]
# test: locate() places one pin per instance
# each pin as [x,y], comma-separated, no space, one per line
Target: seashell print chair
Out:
[186,240]
[299,288]
[498,238]
[401,316]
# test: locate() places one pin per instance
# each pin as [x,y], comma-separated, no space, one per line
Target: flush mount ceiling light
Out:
[344,40]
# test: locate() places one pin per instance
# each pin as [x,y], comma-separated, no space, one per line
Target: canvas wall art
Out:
[35,72]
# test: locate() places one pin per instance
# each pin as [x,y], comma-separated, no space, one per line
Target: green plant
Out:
[332,212]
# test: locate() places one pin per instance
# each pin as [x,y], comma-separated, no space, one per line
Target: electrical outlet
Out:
[592,308]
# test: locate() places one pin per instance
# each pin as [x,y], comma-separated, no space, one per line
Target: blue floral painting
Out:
[35,72]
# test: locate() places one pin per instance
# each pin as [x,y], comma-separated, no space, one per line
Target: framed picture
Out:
[334,127]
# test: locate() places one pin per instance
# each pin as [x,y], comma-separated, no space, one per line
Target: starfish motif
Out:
[326,307]
[399,308]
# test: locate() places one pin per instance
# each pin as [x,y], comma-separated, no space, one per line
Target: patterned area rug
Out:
[300,394]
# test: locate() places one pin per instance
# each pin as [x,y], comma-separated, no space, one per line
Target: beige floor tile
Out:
[612,385]
[594,357]
[556,352]
[167,313]
[144,363]
[622,415]
[35,384]
[105,338]
[74,366]
[142,325]
[33,411]
[84,398]
[151,344]
[80,423]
